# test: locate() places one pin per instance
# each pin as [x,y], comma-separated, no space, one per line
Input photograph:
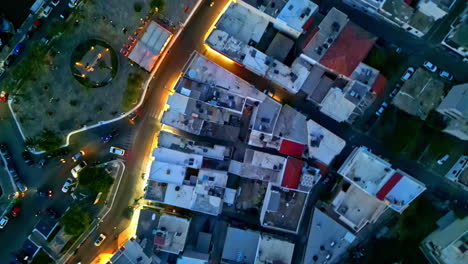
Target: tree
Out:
[75,221]
[96,179]
[48,140]
[157,4]
[436,121]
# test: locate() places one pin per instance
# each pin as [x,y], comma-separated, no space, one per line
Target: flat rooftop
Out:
[323,145]
[149,46]
[357,208]
[272,250]
[240,245]
[420,94]
[175,157]
[328,31]
[296,13]
[203,70]
[323,232]
[399,10]
[178,143]
[336,106]
[283,209]
[269,7]
[291,125]
[148,221]
[209,93]
[174,233]
[242,23]
[259,166]
[377,178]
[366,170]
[280,47]
[176,117]
[130,253]
[267,113]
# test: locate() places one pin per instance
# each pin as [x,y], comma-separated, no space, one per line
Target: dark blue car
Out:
[18,49]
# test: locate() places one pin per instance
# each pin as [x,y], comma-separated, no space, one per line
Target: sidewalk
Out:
[9,189]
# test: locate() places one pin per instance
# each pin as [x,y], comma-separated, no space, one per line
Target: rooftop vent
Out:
[168,171]
[335,26]
[276,71]
[290,7]
[330,40]
[253,53]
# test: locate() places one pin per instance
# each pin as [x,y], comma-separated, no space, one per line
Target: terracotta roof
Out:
[349,49]
[291,148]
[388,186]
[379,85]
[292,173]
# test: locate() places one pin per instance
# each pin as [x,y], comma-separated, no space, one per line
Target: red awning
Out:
[388,186]
[292,173]
[291,148]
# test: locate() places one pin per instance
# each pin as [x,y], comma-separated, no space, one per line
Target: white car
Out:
[55,2]
[3,222]
[73,3]
[78,156]
[78,168]
[99,240]
[46,12]
[408,73]
[67,184]
[446,75]
[443,159]
[117,151]
[430,66]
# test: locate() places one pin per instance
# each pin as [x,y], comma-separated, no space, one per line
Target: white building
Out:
[417,21]
[376,177]
[455,108]
[323,145]
[457,38]
[171,234]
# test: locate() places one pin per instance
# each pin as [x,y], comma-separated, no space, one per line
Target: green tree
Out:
[159,4]
[75,221]
[436,121]
[96,179]
[48,140]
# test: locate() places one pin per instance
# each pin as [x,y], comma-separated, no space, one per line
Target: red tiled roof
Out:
[292,173]
[349,49]
[379,85]
[292,148]
[388,186]
[308,23]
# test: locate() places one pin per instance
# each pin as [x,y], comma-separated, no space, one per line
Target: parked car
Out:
[42,162]
[51,213]
[65,14]
[133,116]
[21,187]
[37,24]
[78,168]
[443,159]
[55,2]
[269,93]
[3,222]
[15,212]
[430,66]
[382,108]
[408,73]
[27,158]
[99,240]
[4,149]
[78,156]
[109,136]
[73,3]
[67,185]
[446,75]
[47,10]
[117,151]
[394,92]
[18,49]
